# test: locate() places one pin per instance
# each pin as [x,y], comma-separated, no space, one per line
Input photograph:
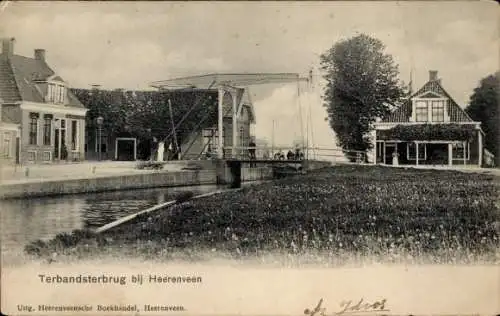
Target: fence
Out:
[290,153]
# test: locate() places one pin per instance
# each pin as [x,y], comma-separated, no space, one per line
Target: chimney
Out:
[433,75]
[8,46]
[40,54]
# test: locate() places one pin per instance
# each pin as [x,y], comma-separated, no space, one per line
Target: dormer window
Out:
[437,108]
[429,109]
[56,93]
[421,111]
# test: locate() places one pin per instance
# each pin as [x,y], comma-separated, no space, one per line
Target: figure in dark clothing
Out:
[251,151]
[297,153]
[290,155]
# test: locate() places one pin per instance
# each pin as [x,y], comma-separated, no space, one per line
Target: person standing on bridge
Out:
[251,151]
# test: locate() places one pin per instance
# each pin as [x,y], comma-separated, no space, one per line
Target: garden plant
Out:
[335,215]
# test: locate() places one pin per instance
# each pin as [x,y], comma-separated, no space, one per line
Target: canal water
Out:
[26,220]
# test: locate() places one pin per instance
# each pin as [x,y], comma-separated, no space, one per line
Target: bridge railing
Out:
[281,153]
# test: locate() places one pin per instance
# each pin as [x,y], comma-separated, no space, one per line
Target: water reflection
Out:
[26,220]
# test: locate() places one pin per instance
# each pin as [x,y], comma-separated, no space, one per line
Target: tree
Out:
[483,107]
[362,85]
[146,113]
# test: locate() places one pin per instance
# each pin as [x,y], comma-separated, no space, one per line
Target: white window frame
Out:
[419,146]
[466,154]
[439,97]
[443,103]
[426,110]
[50,155]
[56,92]
[6,150]
[34,155]
[37,130]
[242,136]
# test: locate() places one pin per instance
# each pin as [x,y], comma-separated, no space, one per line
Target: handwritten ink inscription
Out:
[349,307]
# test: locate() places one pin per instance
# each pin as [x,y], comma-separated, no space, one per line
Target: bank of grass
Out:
[335,215]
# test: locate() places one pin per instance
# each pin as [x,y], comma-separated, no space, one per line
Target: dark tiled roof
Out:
[17,76]
[403,113]
[8,86]
[400,114]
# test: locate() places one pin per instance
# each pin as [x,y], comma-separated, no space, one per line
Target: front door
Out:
[60,150]
[56,144]
[390,148]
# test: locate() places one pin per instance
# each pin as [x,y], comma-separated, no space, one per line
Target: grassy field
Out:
[335,215]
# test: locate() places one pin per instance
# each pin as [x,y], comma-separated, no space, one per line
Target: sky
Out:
[130,44]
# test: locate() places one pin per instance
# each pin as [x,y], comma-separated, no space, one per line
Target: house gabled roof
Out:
[19,76]
[431,89]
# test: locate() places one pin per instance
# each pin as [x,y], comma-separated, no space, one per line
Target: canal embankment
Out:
[37,181]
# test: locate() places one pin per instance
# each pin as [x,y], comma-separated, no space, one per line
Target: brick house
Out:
[41,120]
[429,128]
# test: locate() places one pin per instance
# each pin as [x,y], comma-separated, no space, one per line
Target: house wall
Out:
[40,153]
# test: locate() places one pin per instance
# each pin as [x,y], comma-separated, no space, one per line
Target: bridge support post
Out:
[220,122]
[234,98]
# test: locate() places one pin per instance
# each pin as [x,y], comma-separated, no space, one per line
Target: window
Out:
[6,146]
[437,111]
[242,137]
[74,135]
[47,129]
[421,111]
[46,156]
[31,156]
[461,151]
[411,151]
[33,129]
[56,93]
